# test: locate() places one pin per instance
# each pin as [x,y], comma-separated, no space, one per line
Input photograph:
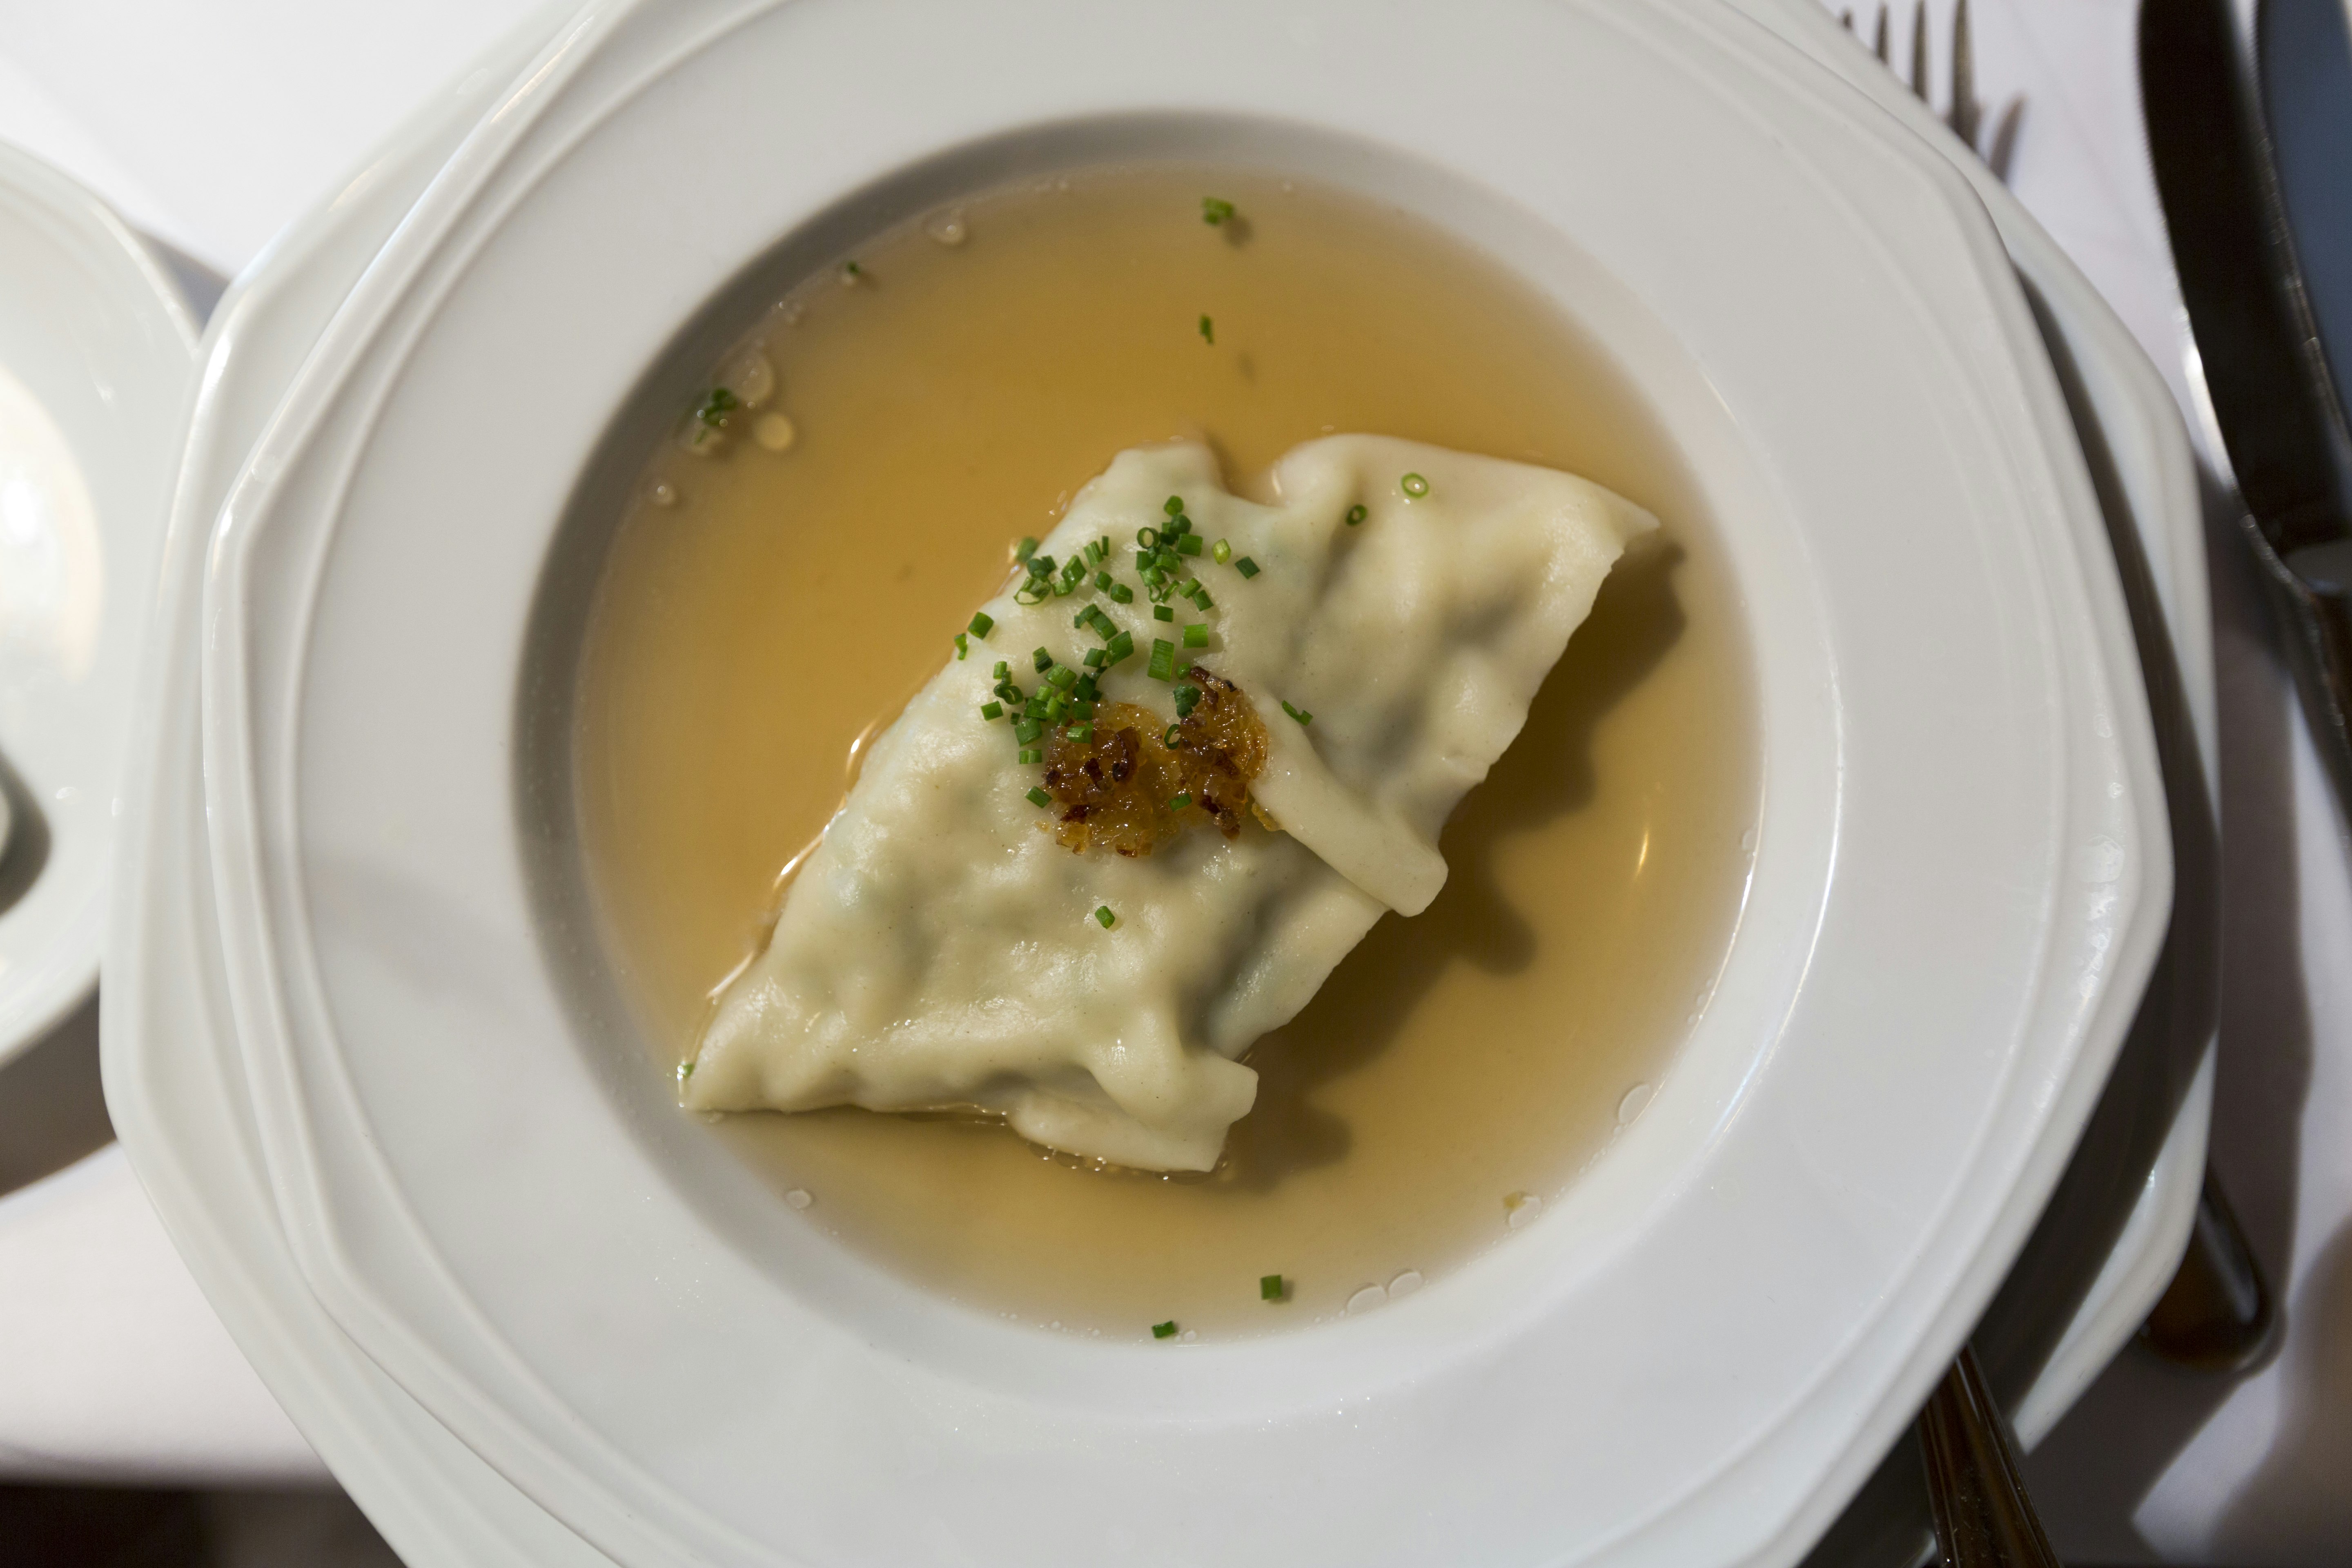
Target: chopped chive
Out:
[1179,802]
[717,408]
[1055,706]
[1103,918]
[1082,733]
[1147,538]
[982,623]
[1041,659]
[1269,1288]
[1082,708]
[1040,566]
[1208,330]
[1163,612]
[1166,1330]
[1415,486]
[1153,577]
[1356,514]
[1062,675]
[1031,592]
[1172,505]
[1189,545]
[992,710]
[1039,797]
[1163,659]
[1121,593]
[850,270]
[1300,714]
[1120,645]
[1094,658]
[1202,602]
[1025,550]
[1220,552]
[1085,690]
[1008,692]
[1003,669]
[1188,697]
[1215,210]
[1174,737]
[1028,757]
[1102,581]
[963,644]
[1246,567]
[1196,636]
[1027,729]
[1178,526]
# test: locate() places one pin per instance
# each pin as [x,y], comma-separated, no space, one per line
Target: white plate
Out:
[1746,1297]
[2157,514]
[192,1136]
[96,350]
[175,1085]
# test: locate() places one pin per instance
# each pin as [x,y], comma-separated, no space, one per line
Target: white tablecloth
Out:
[211,125]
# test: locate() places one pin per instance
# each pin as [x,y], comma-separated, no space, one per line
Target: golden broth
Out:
[761,609]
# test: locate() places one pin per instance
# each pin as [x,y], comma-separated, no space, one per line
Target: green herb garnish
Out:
[1300,714]
[1179,802]
[1196,636]
[1356,514]
[982,624]
[1220,552]
[718,406]
[1163,659]
[1039,797]
[1208,330]
[1215,210]
[1103,918]
[963,644]
[992,710]
[1415,486]
[1166,1330]
[1245,566]
[1269,1288]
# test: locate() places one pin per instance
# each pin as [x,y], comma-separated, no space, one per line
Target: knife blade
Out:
[2264,371]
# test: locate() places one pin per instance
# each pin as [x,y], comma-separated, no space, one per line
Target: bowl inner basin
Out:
[716,630]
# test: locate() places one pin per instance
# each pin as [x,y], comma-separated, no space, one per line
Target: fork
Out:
[2217,1314]
[1975,1490]
[1965,115]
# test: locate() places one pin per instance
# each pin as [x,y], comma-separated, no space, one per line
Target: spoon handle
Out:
[1983,1518]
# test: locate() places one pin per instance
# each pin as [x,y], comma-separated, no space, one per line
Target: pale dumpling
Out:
[943,948]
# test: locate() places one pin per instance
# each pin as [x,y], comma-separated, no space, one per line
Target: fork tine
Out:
[1963,116]
[1846,20]
[1919,53]
[1879,44]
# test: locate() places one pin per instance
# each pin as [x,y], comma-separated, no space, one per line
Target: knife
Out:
[2264,371]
